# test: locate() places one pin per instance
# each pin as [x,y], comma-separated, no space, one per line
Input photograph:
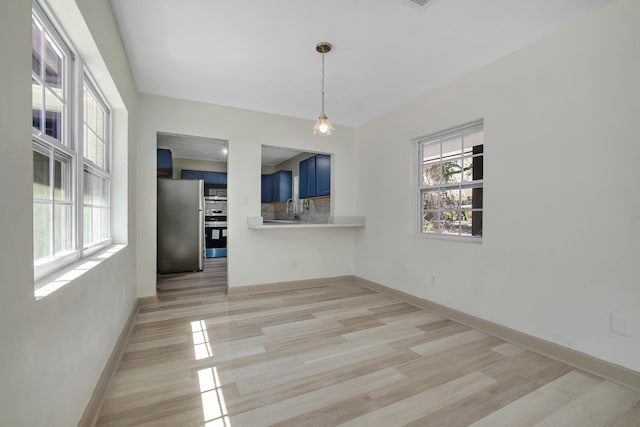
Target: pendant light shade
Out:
[323,125]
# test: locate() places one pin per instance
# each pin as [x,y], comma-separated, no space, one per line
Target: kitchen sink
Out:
[280,221]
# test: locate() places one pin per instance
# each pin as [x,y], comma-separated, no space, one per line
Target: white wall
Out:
[562,206]
[255,257]
[53,350]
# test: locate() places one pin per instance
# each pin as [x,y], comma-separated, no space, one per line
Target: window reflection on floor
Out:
[213,406]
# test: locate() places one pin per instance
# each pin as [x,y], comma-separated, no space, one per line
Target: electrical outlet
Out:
[433,280]
[620,324]
[294,263]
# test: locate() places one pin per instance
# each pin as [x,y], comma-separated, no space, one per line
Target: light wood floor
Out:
[332,355]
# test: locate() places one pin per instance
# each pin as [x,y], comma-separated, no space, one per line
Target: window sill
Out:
[52,282]
[450,238]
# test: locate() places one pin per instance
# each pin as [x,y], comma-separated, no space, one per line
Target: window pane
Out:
[450,199]
[105,201]
[86,183]
[41,230]
[62,177]
[466,198]
[90,114]
[53,67]
[100,122]
[467,174]
[452,146]
[431,174]
[62,227]
[86,225]
[431,151]
[452,171]
[473,139]
[430,200]
[41,189]
[36,104]
[36,48]
[430,224]
[53,115]
[106,226]
[99,161]
[449,222]
[90,154]
[96,222]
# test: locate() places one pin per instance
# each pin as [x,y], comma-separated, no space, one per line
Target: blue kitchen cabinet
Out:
[281,186]
[219,178]
[191,174]
[315,176]
[267,188]
[164,162]
[307,182]
[222,178]
[277,187]
[323,175]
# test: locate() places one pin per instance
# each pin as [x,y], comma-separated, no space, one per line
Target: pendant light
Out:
[323,125]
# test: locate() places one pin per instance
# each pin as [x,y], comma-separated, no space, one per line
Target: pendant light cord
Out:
[323,83]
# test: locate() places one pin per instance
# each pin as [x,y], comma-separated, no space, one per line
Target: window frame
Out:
[102,172]
[74,77]
[422,188]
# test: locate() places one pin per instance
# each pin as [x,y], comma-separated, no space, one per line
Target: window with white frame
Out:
[451,182]
[96,195]
[70,138]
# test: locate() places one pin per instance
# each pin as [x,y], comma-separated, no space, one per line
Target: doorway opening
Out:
[192,214]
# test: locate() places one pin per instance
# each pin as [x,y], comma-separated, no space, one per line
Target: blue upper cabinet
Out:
[219,178]
[267,188]
[164,163]
[315,176]
[323,175]
[282,186]
[277,187]
[191,174]
[307,183]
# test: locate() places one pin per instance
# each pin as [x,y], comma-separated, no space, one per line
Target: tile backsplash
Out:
[312,210]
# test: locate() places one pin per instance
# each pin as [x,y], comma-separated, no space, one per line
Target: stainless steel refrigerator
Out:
[180,225]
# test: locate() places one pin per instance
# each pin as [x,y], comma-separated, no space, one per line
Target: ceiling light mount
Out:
[323,125]
[323,47]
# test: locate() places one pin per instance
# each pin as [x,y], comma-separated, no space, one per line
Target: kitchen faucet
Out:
[294,209]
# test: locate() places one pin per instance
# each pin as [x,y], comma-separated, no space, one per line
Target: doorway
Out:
[198,162]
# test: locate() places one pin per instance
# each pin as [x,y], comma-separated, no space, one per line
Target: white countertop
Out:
[258,223]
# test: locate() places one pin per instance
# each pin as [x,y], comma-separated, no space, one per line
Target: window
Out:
[95,174]
[450,182]
[71,153]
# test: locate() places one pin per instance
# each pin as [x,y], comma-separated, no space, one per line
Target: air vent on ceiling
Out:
[421,2]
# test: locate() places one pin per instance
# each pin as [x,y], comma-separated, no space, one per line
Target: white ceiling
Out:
[260,55]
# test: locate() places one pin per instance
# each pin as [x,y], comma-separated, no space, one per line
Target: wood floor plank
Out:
[594,408]
[423,403]
[535,406]
[314,400]
[335,354]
